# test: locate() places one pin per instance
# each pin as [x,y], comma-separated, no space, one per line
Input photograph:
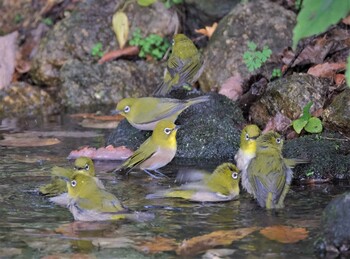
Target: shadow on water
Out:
[31,226]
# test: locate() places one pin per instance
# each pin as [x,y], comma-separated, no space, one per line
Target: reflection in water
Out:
[31,226]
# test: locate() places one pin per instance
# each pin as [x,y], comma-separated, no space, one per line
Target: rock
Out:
[246,22]
[328,154]
[208,131]
[64,58]
[335,224]
[22,99]
[337,115]
[289,95]
[92,85]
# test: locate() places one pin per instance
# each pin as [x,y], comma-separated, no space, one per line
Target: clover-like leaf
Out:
[314,125]
[299,124]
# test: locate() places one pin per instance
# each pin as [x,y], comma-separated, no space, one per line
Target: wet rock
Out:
[335,223]
[246,22]
[328,153]
[208,131]
[289,95]
[23,99]
[74,37]
[337,114]
[92,85]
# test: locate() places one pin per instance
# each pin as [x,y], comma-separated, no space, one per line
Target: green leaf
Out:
[299,124]
[317,15]
[251,45]
[145,3]
[314,125]
[306,111]
[347,73]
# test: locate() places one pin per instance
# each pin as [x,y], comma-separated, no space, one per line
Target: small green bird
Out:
[221,185]
[88,202]
[184,65]
[268,173]
[145,112]
[157,151]
[58,187]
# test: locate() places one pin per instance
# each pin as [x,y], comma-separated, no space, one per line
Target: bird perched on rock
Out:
[268,173]
[88,202]
[157,151]
[221,185]
[145,112]
[184,65]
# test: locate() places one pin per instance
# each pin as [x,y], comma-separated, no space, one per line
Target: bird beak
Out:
[177,127]
[115,112]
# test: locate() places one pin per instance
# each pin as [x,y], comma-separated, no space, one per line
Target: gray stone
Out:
[246,22]
[335,224]
[208,131]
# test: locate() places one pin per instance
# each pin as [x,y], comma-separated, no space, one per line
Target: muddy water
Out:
[32,227]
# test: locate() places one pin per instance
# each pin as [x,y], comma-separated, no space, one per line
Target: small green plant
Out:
[254,58]
[18,18]
[306,121]
[48,21]
[276,73]
[96,50]
[309,172]
[170,3]
[153,45]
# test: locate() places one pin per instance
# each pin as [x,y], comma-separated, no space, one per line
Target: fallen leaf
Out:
[339,79]
[116,242]
[284,234]
[327,70]
[94,116]
[346,20]
[120,24]
[58,134]
[75,228]
[200,244]
[157,245]
[128,51]
[11,141]
[98,124]
[103,153]
[279,122]
[8,48]
[69,256]
[208,30]
[232,87]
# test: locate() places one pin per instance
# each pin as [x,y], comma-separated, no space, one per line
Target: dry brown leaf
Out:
[284,234]
[103,153]
[8,48]
[208,30]
[10,141]
[120,24]
[327,70]
[94,116]
[157,245]
[128,51]
[346,20]
[69,256]
[232,87]
[98,124]
[200,244]
[339,79]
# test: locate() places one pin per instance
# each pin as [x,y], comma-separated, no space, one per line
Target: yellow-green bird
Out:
[58,187]
[184,65]
[157,151]
[88,202]
[221,185]
[268,174]
[145,112]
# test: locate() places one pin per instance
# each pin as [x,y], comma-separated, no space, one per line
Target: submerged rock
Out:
[208,131]
[335,224]
[246,22]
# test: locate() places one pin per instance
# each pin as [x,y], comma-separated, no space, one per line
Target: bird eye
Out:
[73,183]
[172,42]
[87,167]
[234,175]
[278,140]
[247,136]
[126,109]
[167,131]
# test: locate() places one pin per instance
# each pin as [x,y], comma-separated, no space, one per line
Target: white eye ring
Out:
[278,140]
[73,183]
[167,131]
[87,167]
[247,136]
[234,175]
[126,109]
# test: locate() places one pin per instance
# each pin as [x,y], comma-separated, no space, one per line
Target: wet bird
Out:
[221,185]
[184,65]
[156,152]
[145,112]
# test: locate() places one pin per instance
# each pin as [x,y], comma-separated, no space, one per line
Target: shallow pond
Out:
[32,227]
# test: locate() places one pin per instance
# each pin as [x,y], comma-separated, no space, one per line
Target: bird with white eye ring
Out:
[156,152]
[221,185]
